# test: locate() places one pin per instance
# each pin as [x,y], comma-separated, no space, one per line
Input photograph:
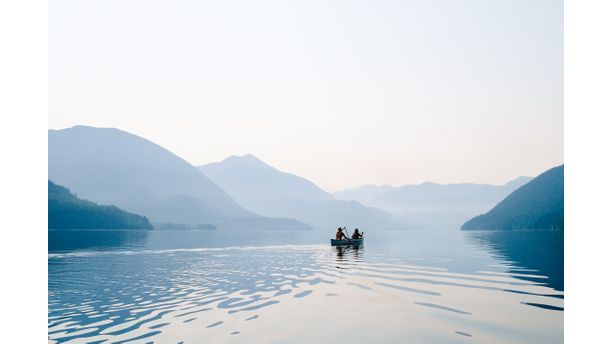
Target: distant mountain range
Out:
[538,204]
[434,205]
[66,211]
[364,193]
[265,190]
[429,196]
[110,166]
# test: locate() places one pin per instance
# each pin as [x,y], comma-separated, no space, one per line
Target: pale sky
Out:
[340,92]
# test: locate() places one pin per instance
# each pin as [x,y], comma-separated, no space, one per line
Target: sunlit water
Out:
[253,287]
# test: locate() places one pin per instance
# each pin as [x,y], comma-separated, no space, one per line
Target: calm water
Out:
[215,287]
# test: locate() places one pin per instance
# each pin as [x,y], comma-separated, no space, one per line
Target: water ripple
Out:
[150,295]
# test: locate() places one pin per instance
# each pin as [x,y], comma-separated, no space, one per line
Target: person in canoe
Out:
[340,235]
[356,234]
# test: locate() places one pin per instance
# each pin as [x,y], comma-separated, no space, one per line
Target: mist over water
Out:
[214,286]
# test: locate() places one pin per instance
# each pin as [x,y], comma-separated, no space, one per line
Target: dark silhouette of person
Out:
[340,234]
[356,234]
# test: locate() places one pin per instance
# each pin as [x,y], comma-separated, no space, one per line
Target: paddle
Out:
[347,236]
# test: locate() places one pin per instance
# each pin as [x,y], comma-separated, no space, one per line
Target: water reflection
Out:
[427,289]
[530,255]
[352,253]
[67,240]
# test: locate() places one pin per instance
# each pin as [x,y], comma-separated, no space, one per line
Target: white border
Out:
[588,234]
[23,150]
[23,110]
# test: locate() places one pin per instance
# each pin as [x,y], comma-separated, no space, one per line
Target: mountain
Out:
[434,196]
[434,205]
[111,166]
[66,211]
[364,193]
[265,190]
[538,204]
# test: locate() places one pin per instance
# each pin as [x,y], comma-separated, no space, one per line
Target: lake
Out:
[292,287]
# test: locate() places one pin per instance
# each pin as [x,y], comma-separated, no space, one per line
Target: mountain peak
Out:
[247,157]
[131,172]
[428,184]
[247,160]
[265,190]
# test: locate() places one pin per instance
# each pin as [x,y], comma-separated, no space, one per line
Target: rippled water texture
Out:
[399,287]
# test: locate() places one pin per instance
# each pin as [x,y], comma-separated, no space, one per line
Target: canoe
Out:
[352,242]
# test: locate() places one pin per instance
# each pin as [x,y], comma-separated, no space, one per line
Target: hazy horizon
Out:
[343,94]
[328,190]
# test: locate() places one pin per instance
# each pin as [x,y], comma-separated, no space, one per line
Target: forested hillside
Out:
[66,211]
[536,205]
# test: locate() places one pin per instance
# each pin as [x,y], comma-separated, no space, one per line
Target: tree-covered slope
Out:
[66,211]
[536,205]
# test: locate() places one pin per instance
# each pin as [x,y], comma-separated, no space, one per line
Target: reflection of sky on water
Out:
[425,286]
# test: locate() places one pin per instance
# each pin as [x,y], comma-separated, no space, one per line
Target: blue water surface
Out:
[197,286]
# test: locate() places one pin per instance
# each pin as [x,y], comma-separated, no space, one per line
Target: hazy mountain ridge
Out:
[363,193]
[229,173]
[433,205]
[111,166]
[429,194]
[67,211]
[538,204]
[263,189]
